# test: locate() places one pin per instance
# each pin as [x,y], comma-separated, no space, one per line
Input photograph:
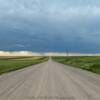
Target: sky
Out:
[50,25]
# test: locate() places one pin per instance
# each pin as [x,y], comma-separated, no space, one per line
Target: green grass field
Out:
[8,64]
[88,63]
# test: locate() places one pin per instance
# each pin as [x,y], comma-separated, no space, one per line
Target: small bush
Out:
[95,68]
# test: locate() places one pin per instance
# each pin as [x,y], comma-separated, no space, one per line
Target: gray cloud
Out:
[50,24]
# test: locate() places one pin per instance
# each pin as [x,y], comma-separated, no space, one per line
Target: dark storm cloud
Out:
[50,25]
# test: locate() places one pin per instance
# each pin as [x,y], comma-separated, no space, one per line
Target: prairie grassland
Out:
[90,63]
[8,64]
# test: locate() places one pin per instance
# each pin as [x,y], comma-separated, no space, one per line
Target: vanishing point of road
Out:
[50,81]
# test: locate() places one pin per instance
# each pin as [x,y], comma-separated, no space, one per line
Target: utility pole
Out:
[67,52]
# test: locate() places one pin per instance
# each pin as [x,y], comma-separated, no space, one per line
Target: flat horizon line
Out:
[31,53]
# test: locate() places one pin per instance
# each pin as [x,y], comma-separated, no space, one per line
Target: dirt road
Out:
[50,81]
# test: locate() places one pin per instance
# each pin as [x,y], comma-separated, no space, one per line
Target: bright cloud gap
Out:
[28,53]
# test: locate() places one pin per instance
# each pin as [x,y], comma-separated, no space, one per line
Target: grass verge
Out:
[88,63]
[8,64]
